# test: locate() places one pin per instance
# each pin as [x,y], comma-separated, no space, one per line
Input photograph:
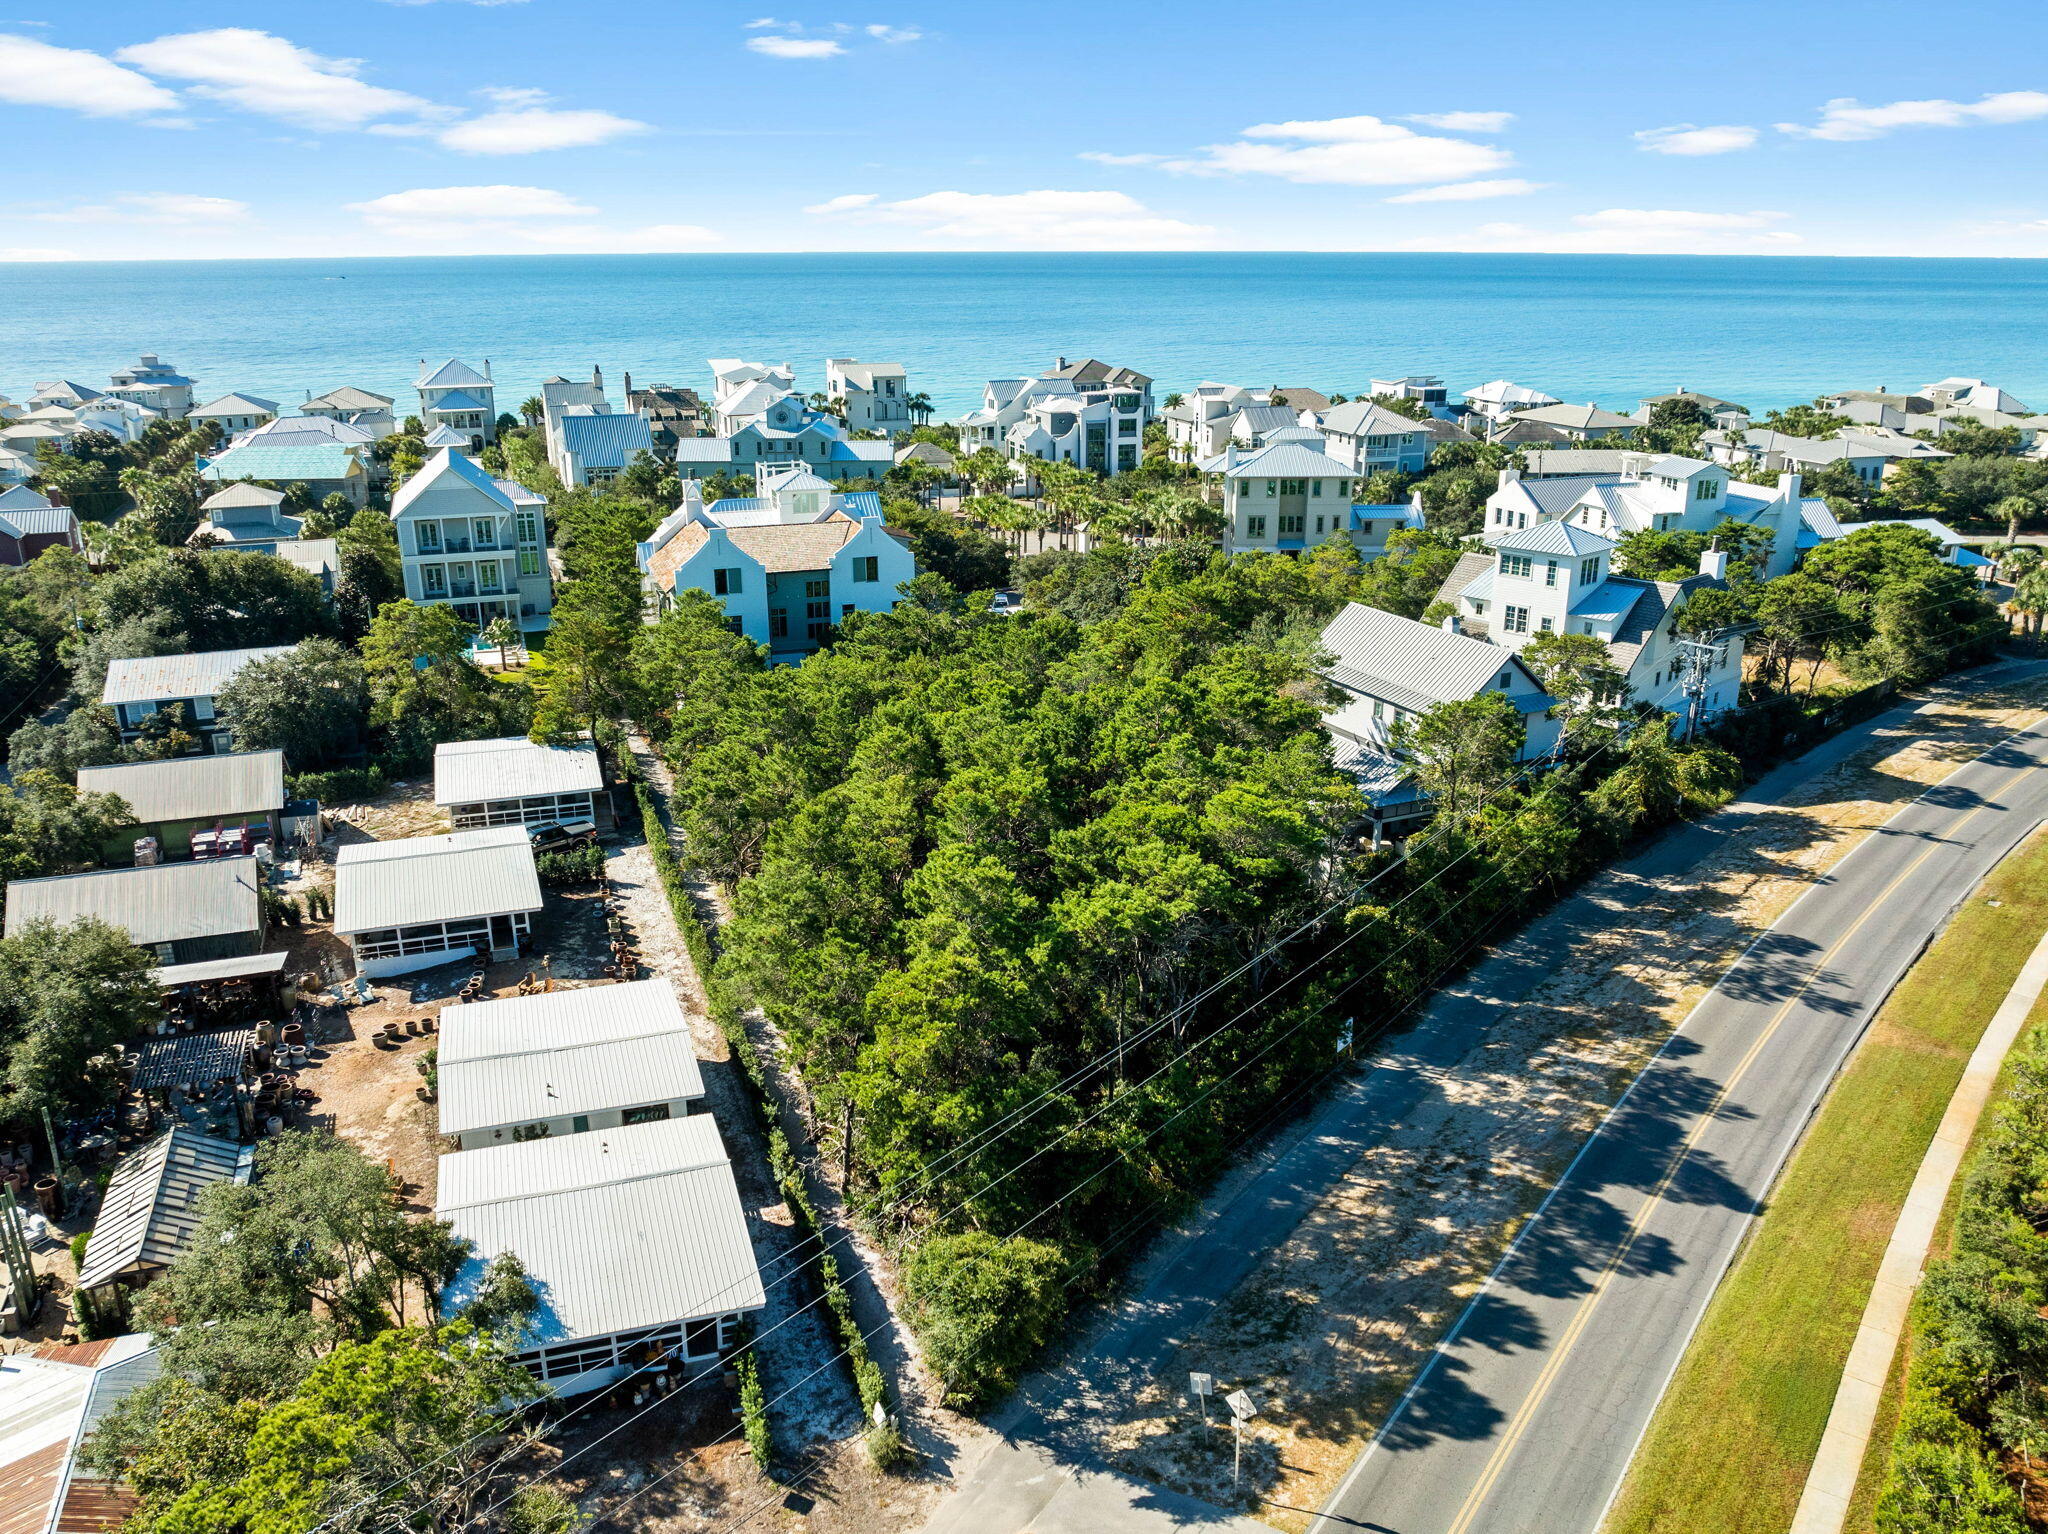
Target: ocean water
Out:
[1765,331]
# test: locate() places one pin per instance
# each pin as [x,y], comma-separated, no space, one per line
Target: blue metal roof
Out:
[256,460]
[457,400]
[607,441]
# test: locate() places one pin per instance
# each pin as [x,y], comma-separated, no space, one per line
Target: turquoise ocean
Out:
[1765,331]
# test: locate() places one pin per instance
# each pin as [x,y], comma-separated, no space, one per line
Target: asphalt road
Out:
[1525,1418]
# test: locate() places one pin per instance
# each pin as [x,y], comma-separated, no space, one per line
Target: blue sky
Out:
[380,127]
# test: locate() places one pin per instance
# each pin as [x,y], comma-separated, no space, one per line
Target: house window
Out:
[845,610]
[778,623]
[1272,487]
[653,1113]
[1315,487]
[1515,619]
[1515,564]
[1706,490]
[817,588]
[1550,572]
[1546,625]
[426,538]
[1255,527]
[1319,525]
[529,561]
[485,532]
[1290,524]
[814,610]
[434,580]
[726,582]
[817,631]
[1589,570]
[867,568]
[1294,487]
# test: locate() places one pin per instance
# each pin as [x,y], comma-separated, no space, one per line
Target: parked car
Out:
[559,835]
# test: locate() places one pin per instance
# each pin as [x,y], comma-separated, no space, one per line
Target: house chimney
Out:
[1229,456]
[629,386]
[1058,363]
[1714,561]
[487,371]
[1507,477]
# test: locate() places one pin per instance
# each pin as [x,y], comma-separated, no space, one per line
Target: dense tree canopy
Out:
[312,704]
[69,995]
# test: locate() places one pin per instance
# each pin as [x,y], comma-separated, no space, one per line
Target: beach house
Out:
[155,383]
[29,524]
[357,407]
[1090,414]
[1370,439]
[456,394]
[139,687]
[872,396]
[475,543]
[236,413]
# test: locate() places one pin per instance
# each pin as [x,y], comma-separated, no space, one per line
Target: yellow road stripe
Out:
[1498,1460]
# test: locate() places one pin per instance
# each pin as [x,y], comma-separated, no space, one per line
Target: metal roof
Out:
[348,397]
[316,556]
[589,1050]
[434,878]
[220,969]
[1283,460]
[618,1228]
[50,1400]
[447,464]
[261,459]
[1413,664]
[1367,418]
[606,441]
[168,903]
[240,494]
[31,521]
[200,1059]
[477,771]
[233,404]
[151,1207]
[162,678]
[193,787]
[1554,537]
[455,399]
[449,374]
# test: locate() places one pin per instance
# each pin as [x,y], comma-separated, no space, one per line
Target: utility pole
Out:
[1701,655]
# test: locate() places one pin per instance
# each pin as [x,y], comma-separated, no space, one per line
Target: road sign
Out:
[1202,1384]
[1241,1405]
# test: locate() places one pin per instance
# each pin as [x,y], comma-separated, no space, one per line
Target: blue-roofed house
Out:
[788,565]
[456,394]
[29,524]
[474,543]
[592,447]
[324,468]
[236,413]
[783,432]
[1287,496]
[154,383]
[1557,577]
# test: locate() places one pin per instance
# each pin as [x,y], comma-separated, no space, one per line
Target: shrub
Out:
[571,865]
[344,785]
[982,1307]
[78,1249]
[886,1446]
[754,1412]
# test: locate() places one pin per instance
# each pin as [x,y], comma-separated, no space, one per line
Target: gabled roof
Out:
[1281,460]
[451,375]
[347,397]
[449,464]
[1501,392]
[1091,371]
[28,521]
[446,436]
[306,431]
[456,399]
[1545,497]
[606,441]
[165,903]
[478,771]
[151,1207]
[456,877]
[238,495]
[1553,537]
[1409,664]
[234,404]
[596,1049]
[1365,418]
[159,678]
[1558,462]
[65,389]
[233,783]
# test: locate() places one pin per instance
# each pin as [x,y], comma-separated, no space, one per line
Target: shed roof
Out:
[434,878]
[589,1050]
[618,1228]
[220,969]
[151,1207]
[476,771]
[167,903]
[162,678]
[193,787]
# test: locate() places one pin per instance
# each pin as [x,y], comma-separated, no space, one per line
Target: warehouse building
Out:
[427,900]
[516,782]
[184,913]
[567,1062]
[171,800]
[634,1239]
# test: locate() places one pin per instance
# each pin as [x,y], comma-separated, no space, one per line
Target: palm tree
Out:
[532,410]
[2030,600]
[500,634]
[920,407]
[2012,508]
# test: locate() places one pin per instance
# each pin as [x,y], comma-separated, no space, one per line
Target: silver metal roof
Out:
[619,1228]
[158,678]
[589,1050]
[1385,655]
[151,1206]
[220,969]
[193,787]
[434,878]
[165,904]
[476,771]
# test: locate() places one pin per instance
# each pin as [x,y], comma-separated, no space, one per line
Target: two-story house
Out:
[474,543]
[787,565]
[1386,668]
[244,516]
[1089,414]
[29,523]
[1425,389]
[586,443]
[785,432]
[139,687]
[1571,423]
[235,413]
[874,395]
[154,383]
[741,391]
[1370,439]
[456,394]
[1557,577]
[1287,496]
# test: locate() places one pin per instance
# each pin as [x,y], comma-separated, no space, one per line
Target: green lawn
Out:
[1730,1444]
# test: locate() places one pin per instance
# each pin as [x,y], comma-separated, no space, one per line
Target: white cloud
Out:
[263,73]
[527,130]
[1101,158]
[1471,191]
[496,218]
[1346,151]
[1462,122]
[153,208]
[1631,230]
[894,34]
[33,73]
[795,47]
[1043,220]
[1691,139]
[762,21]
[515,95]
[1845,118]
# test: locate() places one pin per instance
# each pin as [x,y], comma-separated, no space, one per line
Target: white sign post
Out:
[1242,1409]
[1203,1385]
